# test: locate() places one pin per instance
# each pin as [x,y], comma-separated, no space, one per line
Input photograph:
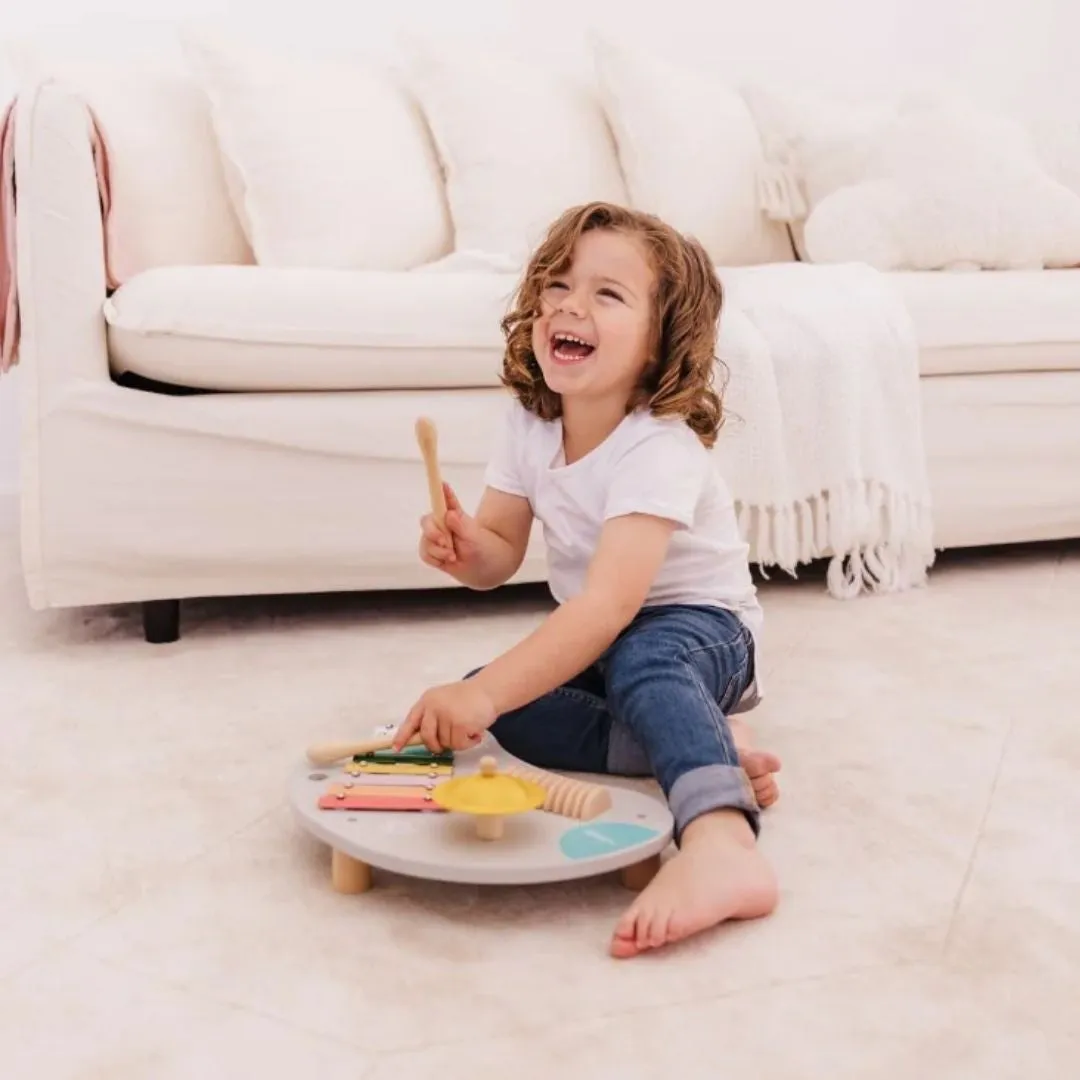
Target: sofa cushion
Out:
[247,328]
[170,203]
[330,162]
[994,321]
[914,181]
[519,142]
[690,152]
[944,187]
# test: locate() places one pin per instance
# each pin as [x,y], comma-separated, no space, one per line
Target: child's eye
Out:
[612,293]
[556,284]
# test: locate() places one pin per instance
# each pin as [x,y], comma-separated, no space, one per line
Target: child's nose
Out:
[573,304]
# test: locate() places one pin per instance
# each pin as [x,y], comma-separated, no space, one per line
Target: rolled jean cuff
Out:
[713,787]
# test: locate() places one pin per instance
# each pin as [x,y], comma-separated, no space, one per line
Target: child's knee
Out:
[626,756]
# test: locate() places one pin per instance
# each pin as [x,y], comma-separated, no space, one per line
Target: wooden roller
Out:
[566,796]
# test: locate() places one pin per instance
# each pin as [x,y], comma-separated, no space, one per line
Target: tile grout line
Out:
[210,998]
[446,1044]
[969,870]
[774,984]
[47,951]
[197,994]
[56,947]
[651,1007]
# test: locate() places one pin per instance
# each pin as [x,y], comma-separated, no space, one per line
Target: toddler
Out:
[610,354]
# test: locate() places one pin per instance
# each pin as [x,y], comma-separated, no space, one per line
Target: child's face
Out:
[593,334]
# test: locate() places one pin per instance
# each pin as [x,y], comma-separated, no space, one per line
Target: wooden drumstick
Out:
[327,753]
[428,438]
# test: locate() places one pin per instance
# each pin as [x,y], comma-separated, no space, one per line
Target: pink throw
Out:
[9,300]
[9,284]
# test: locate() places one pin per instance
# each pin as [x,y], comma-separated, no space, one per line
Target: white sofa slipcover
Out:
[304,477]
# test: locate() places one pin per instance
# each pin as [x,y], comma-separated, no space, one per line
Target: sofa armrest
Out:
[60,246]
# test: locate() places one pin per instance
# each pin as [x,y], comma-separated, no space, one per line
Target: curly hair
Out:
[679,378]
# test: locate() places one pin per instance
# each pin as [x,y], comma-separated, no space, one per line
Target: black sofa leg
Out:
[161,621]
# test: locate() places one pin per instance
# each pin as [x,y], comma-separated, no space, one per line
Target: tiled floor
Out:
[162,917]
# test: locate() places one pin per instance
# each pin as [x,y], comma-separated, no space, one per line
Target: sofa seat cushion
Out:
[983,322]
[255,328]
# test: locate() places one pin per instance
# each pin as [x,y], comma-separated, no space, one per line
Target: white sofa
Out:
[297,471]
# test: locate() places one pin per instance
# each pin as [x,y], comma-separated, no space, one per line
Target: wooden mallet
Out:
[428,439]
[325,754]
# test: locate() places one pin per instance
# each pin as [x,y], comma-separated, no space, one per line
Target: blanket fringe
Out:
[876,540]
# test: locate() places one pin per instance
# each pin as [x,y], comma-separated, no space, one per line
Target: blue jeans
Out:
[655,703]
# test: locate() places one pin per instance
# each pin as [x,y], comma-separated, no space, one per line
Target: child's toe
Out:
[645,930]
[759,763]
[766,791]
[624,941]
[660,929]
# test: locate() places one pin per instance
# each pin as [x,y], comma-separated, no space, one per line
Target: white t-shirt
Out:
[645,466]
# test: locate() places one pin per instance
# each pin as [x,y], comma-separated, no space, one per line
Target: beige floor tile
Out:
[888,1024]
[1019,912]
[872,843]
[77,846]
[74,1018]
[926,842]
[122,762]
[406,941]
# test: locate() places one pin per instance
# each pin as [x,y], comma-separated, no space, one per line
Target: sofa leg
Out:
[161,621]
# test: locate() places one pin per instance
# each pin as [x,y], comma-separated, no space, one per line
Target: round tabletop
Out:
[535,847]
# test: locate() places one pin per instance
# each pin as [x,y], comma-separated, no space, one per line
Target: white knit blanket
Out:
[823,448]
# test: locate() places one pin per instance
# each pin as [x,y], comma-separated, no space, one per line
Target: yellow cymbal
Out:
[489,792]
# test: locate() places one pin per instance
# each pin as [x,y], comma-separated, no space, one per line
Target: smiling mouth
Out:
[569,348]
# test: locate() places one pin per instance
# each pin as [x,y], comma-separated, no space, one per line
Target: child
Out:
[610,354]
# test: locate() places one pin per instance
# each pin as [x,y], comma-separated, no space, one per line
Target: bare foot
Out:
[759,764]
[761,767]
[718,874]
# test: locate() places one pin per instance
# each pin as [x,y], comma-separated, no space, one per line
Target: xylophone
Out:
[389,780]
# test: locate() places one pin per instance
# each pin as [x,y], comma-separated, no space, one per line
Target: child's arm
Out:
[628,557]
[482,552]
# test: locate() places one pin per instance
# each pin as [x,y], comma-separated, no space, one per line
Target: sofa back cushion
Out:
[170,204]
[520,142]
[224,153]
[690,152]
[330,161]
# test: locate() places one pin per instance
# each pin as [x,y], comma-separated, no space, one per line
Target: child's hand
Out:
[436,545]
[458,545]
[450,717]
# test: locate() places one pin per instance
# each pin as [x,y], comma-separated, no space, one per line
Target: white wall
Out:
[1016,56]
[9,459]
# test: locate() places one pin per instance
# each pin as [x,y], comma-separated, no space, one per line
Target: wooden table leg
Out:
[349,876]
[489,827]
[637,876]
